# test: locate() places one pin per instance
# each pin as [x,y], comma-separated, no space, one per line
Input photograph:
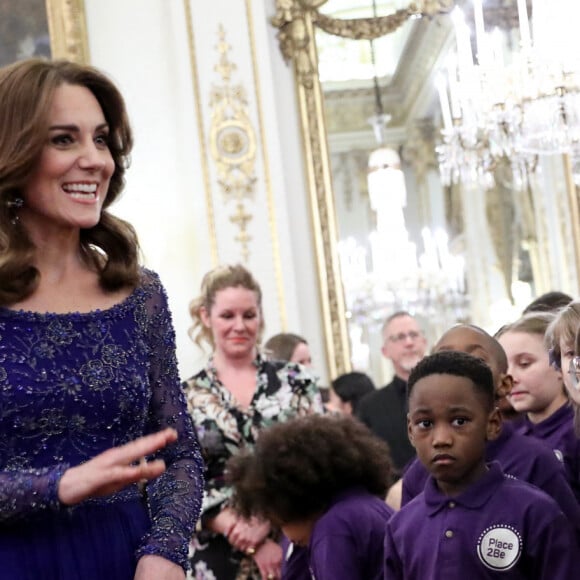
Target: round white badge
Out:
[499,547]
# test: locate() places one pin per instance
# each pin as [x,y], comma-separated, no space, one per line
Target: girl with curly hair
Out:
[322,480]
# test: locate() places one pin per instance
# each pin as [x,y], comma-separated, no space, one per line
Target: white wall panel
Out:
[167,75]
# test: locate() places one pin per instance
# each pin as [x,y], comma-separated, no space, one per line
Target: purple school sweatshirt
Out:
[557,431]
[347,541]
[498,528]
[524,458]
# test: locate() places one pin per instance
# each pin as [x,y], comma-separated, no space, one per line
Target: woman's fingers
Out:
[135,450]
[126,474]
[114,469]
[151,470]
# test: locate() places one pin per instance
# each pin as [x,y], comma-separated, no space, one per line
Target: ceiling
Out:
[406,63]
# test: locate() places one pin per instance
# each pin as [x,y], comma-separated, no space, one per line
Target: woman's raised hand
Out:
[114,469]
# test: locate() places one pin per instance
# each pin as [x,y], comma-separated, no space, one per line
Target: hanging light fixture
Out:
[393,277]
[510,104]
[385,176]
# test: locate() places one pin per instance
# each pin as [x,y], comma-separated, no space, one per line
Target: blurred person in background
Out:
[287,346]
[385,410]
[347,390]
[549,302]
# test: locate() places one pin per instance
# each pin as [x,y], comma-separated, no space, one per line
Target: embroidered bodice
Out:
[73,385]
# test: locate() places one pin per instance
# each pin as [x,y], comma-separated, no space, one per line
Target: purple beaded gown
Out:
[72,386]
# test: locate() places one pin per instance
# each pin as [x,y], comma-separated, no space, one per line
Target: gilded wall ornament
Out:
[68,29]
[233,144]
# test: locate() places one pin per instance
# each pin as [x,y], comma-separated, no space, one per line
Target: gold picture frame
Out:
[68,30]
[44,29]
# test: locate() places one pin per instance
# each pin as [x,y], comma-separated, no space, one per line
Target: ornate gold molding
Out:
[233,143]
[295,21]
[290,14]
[68,29]
[364,28]
[320,193]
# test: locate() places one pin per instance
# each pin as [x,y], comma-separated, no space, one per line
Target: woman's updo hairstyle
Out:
[220,278]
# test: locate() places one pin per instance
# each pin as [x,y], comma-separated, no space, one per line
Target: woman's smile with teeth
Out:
[81,190]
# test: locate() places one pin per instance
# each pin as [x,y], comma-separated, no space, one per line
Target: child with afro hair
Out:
[322,480]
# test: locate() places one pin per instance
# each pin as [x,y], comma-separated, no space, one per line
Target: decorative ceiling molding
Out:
[348,109]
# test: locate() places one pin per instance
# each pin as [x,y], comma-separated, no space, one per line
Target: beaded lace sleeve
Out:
[175,497]
[24,493]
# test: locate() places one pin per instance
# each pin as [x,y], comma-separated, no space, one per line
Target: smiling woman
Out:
[91,405]
[231,400]
[77,160]
[45,28]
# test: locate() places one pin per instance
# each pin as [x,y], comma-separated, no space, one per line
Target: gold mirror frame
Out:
[68,30]
[295,21]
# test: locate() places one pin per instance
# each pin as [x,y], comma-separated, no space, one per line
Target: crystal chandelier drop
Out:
[510,104]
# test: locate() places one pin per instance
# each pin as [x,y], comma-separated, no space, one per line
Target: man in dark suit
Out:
[385,411]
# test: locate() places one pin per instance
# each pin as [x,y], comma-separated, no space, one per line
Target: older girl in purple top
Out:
[539,390]
[471,521]
[323,479]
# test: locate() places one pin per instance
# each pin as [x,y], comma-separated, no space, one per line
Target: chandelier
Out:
[386,275]
[510,105]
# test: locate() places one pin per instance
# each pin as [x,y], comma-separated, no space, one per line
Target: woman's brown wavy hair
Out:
[26,92]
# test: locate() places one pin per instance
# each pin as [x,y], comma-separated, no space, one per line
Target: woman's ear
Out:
[204,315]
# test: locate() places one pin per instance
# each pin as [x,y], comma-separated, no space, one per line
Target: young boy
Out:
[323,480]
[519,456]
[471,521]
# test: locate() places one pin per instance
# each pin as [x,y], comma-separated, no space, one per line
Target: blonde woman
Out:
[231,400]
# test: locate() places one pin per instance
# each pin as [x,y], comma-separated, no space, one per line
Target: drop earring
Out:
[15,204]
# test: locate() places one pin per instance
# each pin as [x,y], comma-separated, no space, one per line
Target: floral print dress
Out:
[283,391]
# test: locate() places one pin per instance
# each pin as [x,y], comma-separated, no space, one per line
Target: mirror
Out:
[444,249]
